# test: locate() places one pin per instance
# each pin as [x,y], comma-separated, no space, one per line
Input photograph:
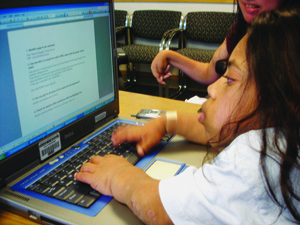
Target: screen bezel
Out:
[30,156]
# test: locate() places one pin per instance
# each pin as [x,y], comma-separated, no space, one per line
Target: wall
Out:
[183,7]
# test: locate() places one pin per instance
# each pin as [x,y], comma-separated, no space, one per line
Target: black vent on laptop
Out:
[16,195]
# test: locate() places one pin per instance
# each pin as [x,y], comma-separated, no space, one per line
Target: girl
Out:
[251,119]
[205,73]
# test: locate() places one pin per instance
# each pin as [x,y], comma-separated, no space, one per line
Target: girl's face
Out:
[252,8]
[227,95]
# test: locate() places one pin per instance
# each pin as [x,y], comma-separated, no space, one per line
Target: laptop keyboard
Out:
[60,182]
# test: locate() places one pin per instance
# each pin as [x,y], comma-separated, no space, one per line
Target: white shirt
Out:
[230,190]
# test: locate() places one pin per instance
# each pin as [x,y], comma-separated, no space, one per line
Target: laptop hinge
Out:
[17,174]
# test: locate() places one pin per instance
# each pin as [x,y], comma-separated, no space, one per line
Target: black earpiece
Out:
[221,66]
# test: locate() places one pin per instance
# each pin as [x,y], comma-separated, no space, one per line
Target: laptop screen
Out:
[56,66]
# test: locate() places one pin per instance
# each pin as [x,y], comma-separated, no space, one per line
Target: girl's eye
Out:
[229,80]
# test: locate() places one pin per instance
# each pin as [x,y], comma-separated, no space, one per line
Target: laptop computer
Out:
[58,102]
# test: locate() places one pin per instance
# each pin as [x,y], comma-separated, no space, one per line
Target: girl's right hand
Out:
[146,136]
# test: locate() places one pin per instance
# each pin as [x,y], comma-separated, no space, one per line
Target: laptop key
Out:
[75,197]
[65,193]
[81,187]
[33,186]
[95,193]
[133,159]
[53,191]
[87,201]
[50,182]
[41,189]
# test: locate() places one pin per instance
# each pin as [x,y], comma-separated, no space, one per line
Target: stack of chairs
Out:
[146,30]
[196,36]
[121,27]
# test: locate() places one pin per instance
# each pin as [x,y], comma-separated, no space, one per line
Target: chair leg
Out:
[120,80]
[128,73]
[160,90]
[167,90]
[134,73]
[129,83]
[182,85]
[131,73]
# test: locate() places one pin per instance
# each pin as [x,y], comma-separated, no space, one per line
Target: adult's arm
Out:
[201,72]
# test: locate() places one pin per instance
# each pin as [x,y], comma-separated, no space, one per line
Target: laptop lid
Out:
[58,78]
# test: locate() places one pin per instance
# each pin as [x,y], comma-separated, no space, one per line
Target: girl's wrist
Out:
[171,122]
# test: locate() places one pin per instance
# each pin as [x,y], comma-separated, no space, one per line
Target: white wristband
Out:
[171,118]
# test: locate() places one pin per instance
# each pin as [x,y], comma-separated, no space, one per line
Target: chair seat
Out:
[140,53]
[202,55]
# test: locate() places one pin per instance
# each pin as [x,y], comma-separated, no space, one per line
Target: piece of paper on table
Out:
[196,100]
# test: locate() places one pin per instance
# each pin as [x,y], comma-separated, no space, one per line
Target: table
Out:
[130,103]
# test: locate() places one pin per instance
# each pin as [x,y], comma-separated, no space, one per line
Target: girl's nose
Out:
[211,90]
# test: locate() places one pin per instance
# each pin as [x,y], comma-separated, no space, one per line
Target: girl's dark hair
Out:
[273,57]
